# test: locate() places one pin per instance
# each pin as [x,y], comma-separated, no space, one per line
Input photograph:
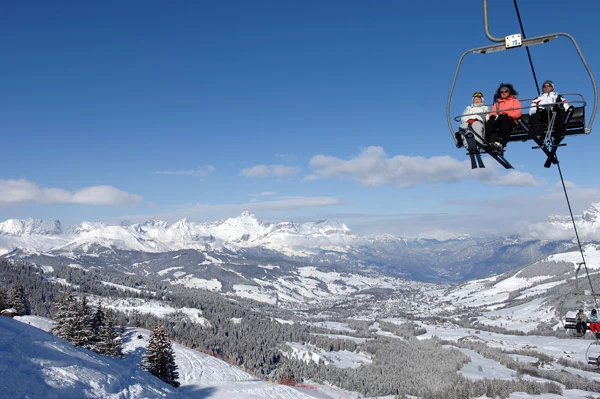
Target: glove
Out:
[471,121]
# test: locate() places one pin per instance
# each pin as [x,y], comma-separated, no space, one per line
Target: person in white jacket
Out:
[474,116]
[542,108]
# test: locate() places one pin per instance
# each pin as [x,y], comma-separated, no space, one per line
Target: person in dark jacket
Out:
[581,323]
[543,107]
[503,116]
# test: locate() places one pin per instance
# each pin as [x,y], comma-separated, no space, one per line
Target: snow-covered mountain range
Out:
[158,236]
[249,241]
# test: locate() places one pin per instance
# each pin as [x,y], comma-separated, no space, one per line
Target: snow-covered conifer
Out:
[97,323]
[64,316]
[159,359]
[108,343]
[70,318]
[17,299]
[82,333]
[82,330]
[84,309]
[3,299]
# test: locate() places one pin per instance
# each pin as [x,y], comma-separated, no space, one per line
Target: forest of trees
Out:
[246,334]
[76,322]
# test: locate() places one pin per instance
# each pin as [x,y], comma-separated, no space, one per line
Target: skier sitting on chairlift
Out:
[581,325]
[542,108]
[474,116]
[594,320]
[505,112]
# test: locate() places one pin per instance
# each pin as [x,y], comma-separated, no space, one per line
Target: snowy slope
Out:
[35,364]
[496,290]
[47,367]
[53,368]
[201,374]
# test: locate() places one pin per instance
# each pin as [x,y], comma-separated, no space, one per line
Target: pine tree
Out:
[159,359]
[81,328]
[82,333]
[72,320]
[97,323]
[3,299]
[85,311]
[65,314]
[17,299]
[108,343]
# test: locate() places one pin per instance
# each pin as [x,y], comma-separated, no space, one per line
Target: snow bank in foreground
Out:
[36,364]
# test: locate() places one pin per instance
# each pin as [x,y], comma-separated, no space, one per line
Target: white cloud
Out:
[568,184]
[514,178]
[527,215]
[201,171]
[372,167]
[284,203]
[263,194]
[21,191]
[270,170]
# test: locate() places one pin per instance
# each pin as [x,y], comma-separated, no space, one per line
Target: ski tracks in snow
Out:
[200,374]
[200,371]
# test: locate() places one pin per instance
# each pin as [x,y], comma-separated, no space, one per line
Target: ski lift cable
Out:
[587,272]
[537,86]
[557,163]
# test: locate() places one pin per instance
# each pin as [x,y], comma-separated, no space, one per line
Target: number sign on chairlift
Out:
[513,40]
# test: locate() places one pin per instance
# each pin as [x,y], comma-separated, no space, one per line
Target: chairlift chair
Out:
[592,354]
[574,119]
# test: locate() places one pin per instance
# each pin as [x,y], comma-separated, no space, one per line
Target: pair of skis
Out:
[477,145]
[546,144]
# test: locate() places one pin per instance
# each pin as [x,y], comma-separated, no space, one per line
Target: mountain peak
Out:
[85,227]
[246,218]
[592,214]
[247,214]
[155,223]
[19,227]
[326,227]
[181,224]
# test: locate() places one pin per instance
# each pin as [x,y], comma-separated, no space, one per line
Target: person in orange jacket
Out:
[503,115]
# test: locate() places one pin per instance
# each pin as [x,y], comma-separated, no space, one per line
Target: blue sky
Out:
[291,110]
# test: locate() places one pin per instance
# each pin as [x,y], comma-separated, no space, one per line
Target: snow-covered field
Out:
[570,348]
[195,282]
[341,359]
[154,307]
